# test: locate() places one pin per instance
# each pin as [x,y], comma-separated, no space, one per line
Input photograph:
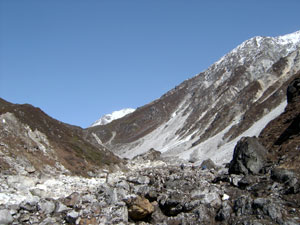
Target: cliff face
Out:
[31,140]
[204,116]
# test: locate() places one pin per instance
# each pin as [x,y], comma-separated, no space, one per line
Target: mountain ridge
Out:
[255,73]
[31,139]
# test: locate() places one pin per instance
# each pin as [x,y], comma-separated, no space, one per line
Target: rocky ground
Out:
[156,192]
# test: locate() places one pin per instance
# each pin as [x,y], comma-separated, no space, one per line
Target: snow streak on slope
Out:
[113,116]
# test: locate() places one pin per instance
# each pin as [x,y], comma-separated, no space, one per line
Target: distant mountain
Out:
[113,116]
[32,141]
[205,116]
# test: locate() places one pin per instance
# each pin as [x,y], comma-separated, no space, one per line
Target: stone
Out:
[249,157]
[139,179]
[293,90]
[30,205]
[30,169]
[60,207]
[24,218]
[88,221]
[208,164]
[5,217]
[139,208]
[225,197]
[38,192]
[48,221]
[46,207]
[282,175]
[72,216]
[243,206]
[108,192]
[224,212]
[287,177]
[72,199]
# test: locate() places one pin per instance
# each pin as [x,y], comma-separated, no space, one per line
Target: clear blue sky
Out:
[78,60]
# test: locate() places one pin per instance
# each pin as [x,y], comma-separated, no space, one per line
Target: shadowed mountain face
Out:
[31,140]
[204,116]
[282,135]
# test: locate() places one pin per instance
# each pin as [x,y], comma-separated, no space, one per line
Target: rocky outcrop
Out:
[249,157]
[293,90]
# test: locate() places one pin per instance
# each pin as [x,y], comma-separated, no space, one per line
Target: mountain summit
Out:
[205,116]
[107,118]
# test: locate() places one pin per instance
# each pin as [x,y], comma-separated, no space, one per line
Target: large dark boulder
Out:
[293,90]
[249,157]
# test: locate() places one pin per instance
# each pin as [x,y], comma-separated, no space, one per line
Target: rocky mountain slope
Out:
[261,186]
[32,141]
[205,116]
[112,116]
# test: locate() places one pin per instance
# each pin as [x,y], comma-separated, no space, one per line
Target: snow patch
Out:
[113,116]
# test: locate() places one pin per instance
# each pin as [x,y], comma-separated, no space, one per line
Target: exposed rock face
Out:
[293,90]
[249,157]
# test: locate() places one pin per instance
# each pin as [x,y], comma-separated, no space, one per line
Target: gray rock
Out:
[48,221]
[249,157]
[287,177]
[208,164]
[123,184]
[243,206]
[46,207]
[282,175]
[72,217]
[30,169]
[224,212]
[60,207]
[24,218]
[108,193]
[72,200]
[139,179]
[30,205]
[38,192]
[5,217]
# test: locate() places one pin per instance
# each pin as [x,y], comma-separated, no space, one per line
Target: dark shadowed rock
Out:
[293,90]
[224,212]
[288,177]
[282,175]
[249,157]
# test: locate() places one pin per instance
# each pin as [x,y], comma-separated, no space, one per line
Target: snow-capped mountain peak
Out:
[112,116]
